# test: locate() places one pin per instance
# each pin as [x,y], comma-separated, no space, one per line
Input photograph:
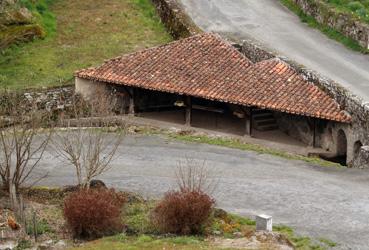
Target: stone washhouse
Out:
[204,81]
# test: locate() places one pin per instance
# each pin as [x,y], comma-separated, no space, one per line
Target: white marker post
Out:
[264,223]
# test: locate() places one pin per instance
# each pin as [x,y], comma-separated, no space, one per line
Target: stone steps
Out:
[264,120]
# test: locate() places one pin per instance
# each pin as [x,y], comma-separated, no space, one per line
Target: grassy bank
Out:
[41,11]
[87,33]
[329,32]
[234,143]
[359,8]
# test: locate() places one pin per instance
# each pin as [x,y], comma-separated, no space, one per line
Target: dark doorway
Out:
[357,147]
[341,148]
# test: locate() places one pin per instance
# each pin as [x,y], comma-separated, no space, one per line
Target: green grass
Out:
[234,143]
[136,217]
[147,242]
[41,10]
[359,8]
[328,242]
[87,33]
[329,32]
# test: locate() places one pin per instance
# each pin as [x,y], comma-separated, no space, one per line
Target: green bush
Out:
[354,6]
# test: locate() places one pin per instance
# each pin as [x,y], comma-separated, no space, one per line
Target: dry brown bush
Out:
[183,212]
[94,213]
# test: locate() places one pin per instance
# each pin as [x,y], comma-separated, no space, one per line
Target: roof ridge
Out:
[204,34]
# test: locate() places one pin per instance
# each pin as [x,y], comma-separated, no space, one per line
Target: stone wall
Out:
[60,98]
[363,158]
[174,18]
[254,52]
[298,127]
[344,22]
[53,99]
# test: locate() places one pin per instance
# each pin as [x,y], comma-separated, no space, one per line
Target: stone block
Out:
[264,223]
[362,160]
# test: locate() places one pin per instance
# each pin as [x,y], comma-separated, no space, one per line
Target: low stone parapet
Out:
[362,160]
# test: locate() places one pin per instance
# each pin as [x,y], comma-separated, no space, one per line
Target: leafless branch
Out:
[194,175]
[89,150]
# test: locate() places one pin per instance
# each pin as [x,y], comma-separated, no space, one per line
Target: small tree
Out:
[22,144]
[90,150]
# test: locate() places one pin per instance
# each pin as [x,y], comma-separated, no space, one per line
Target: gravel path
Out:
[320,202]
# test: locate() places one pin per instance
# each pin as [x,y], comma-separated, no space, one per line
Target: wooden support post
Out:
[248,121]
[188,112]
[250,127]
[131,109]
[247,127]
[314,132]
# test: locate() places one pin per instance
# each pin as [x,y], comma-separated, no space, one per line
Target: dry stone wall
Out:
[54,99]
[344,22]
[177,22]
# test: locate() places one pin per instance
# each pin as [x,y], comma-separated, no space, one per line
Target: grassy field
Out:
[87,33]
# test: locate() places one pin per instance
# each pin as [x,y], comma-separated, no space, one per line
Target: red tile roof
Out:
[208,67]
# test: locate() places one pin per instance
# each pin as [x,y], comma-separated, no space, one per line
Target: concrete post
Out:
[264,223]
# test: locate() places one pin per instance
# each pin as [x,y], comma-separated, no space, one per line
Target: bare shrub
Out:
[94,213]
[183,212]
[89,150]
[194,175]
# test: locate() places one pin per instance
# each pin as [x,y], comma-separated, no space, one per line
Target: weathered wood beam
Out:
[131,109]
[248,121]
[188,112]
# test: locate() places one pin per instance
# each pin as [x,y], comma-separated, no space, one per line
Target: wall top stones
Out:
[344,22]
[178,23]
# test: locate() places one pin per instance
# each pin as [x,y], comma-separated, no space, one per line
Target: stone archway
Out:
[341,146]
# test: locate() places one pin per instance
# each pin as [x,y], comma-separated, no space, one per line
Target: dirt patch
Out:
[256,240]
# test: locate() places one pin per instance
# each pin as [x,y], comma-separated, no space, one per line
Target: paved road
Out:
[316,201]
[274,26]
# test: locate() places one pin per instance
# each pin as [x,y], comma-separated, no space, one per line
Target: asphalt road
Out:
[320,202]
[275,27]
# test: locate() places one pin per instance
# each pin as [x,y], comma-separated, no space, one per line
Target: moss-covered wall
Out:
[17,24]
[176,21]
[345,22]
